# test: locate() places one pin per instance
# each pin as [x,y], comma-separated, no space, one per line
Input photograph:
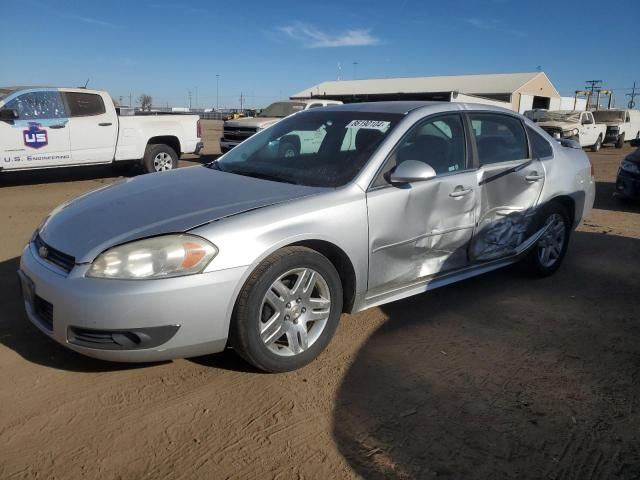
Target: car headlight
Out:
[157,257]
[631,167]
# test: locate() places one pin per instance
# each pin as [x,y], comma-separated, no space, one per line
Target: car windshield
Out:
[571,117]
[282,109]
[321,148]
[609,116]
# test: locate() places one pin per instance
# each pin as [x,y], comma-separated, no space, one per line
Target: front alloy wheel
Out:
[287,311]
[295,311]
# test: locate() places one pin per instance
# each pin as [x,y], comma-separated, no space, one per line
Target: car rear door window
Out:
[38,105]
[499,138]
[84,104]
[540,148]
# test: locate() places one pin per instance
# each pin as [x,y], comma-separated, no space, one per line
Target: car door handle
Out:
[460,191]
[57,126]
[105,124]
[534,177]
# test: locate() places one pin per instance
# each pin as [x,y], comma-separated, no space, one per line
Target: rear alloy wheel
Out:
[288,310]
[547,255]
[159,158]
[596,146]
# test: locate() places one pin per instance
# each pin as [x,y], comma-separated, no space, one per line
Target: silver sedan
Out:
[329,211]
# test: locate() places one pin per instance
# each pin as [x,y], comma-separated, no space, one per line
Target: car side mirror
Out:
[635,142]
[8,114]
[411,171]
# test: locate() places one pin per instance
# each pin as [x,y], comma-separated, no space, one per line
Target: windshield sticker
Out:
[34,136]
[372,124]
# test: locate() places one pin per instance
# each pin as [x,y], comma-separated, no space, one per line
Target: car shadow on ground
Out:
[503,376]
[607,200]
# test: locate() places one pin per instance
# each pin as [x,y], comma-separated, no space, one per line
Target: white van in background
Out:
[623,125]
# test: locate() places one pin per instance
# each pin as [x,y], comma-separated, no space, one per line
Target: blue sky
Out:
[272,49]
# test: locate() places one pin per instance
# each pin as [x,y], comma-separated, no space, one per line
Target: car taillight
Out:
[198,129]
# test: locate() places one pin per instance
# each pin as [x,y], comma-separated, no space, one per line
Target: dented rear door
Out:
[510,181]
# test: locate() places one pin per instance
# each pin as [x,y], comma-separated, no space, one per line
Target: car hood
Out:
[563,125]
[157,204]
[253,122]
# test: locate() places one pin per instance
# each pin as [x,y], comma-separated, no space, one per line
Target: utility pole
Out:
[633,95]
[189,99]
[592,85]
[217,92]
[241,100]
[130,100]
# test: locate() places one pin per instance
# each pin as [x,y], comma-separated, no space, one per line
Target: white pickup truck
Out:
[59,127]
[573,124]
[236,131]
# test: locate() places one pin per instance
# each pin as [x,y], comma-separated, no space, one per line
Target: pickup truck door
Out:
[510,177]
[93,126]
[588,130]
[39,137]
[420,230]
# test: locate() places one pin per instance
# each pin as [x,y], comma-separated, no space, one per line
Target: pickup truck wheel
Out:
[620,142]
[287,311]
[159,158]
[547,255]
[596,146]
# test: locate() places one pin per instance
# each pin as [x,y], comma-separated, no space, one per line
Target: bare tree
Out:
[145,102]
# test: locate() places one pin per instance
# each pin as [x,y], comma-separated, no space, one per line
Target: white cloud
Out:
[312,37]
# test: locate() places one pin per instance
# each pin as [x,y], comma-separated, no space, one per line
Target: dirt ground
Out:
[500,376]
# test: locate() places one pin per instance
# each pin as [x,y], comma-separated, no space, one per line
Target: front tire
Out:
[159,158]
[547,255]
[596,146]
[287,311]
[620,142]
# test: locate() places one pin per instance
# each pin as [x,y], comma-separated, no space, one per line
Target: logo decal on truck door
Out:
[35,137]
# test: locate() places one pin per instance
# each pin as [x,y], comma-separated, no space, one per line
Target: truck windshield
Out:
[315,148]
[569,117]
[282,109]
[6,91]
[609,116]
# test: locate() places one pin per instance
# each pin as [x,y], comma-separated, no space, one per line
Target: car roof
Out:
[384,107]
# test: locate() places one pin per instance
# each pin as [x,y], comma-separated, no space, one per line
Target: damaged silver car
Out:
[262,250]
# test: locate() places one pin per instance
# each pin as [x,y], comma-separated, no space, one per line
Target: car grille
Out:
[44,311]
[238,133]
[51,255]
[553,131]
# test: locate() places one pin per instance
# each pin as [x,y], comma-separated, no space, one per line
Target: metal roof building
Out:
[517,91]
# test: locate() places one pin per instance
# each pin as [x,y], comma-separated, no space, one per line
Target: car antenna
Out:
[86,83]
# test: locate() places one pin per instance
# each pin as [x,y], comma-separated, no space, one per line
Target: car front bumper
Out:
[188,316]
[628,185]
[226,145]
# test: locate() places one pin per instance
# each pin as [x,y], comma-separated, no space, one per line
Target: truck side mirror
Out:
[8,114]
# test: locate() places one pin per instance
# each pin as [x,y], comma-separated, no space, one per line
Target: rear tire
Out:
[287,311]
[548,253]
[159,158]
[596,146]
[620,142]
